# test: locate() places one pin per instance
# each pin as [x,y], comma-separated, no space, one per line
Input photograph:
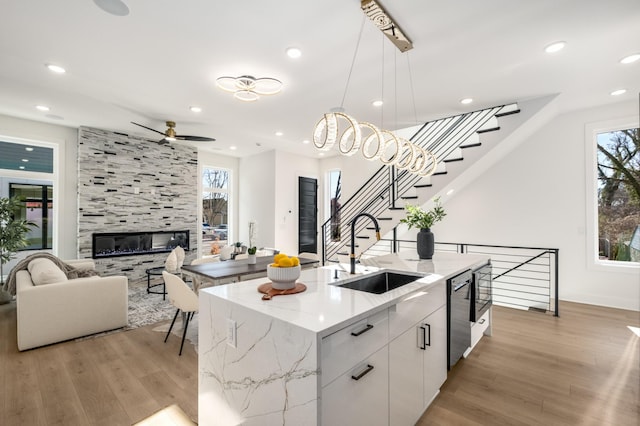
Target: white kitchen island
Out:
[329,355]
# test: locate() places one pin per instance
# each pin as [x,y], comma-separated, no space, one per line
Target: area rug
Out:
[146,308]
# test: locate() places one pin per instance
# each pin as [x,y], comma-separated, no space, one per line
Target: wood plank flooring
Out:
[580,369]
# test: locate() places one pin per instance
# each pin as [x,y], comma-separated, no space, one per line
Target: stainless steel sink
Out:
[379,282]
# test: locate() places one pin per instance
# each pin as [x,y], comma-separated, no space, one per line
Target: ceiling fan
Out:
[170,134]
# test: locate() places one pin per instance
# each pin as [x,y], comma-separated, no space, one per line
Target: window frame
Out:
[47,222]
[591,197]
[228,190]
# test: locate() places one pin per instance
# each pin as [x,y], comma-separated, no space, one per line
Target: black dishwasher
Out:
[458,309]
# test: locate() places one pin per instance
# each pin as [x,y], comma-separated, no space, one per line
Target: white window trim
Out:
[227,190]
[591,196]
[39,176]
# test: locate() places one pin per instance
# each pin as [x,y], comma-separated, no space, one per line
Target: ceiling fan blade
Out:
[194,138]
[148,128]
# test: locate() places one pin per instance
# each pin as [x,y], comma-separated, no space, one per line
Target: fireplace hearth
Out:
[114,244]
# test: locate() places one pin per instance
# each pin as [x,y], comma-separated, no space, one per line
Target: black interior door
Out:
[307,215]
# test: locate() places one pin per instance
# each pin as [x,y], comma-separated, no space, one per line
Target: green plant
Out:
[252,250]
[12,231]
[422,219]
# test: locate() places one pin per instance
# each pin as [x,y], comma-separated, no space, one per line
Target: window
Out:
[335,189]
[618,194]
[37,208]
[215,209]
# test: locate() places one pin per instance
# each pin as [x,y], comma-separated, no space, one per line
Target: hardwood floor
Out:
[117,379]
[579,369]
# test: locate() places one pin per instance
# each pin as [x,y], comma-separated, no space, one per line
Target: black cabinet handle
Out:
[426,332]
[364,330]
[364,373]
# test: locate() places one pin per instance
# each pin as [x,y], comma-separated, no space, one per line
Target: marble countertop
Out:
[324,308]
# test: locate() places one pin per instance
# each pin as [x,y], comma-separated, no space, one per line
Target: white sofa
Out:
[59,311]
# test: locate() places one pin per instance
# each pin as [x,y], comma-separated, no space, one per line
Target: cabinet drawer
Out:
[347,401]
[415,307]
[479,327]
[342,350]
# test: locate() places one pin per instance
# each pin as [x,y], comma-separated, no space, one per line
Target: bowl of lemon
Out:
[284,271]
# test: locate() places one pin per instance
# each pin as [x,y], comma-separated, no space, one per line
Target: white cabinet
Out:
[417,360]
[435,355]
[359,396]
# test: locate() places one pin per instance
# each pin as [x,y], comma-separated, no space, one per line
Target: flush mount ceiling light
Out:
[383,21]
[195,109]
[630,59]
[113,7]
[466,101]
[42,108]
[248,88]
[56,68]
[555,47]
[618,92]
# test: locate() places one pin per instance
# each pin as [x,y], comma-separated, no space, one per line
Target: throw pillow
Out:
[44,271]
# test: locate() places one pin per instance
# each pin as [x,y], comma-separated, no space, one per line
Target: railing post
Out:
[557,285]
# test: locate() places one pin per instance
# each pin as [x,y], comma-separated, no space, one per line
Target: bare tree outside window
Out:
[215,208]
[619,195]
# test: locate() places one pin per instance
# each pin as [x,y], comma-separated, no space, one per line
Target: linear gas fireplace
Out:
[114,244]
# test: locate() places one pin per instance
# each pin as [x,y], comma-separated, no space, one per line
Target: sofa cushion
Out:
[44,271]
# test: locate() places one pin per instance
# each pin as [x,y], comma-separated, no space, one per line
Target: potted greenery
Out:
[424,220]
[252,255]
[12,237]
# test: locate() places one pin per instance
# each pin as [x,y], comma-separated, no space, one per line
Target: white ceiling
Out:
[151,65]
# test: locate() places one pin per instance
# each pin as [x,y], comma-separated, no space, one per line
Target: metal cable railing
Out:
[523,277]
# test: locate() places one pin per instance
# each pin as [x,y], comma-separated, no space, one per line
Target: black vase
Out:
[425,243]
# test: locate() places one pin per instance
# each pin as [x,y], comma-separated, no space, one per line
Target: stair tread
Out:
[451,160]
[409,197]
[395,208]
[363,237]
[439,173]
[424,185]
[492,129]
[471,145]
[502,114]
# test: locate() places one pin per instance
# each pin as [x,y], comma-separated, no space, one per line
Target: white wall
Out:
[256,198]
[289,168]
[65,141]
[537,196]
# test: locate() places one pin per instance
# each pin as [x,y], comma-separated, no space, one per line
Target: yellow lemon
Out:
[295,261]
[285,262]
[278,256]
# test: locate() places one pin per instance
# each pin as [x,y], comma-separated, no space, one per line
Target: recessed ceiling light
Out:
[113,7]
[618,92]
[630,59]
[279,133]
[42,108]
[21,167]
[294,52]
[25,160]
[28,149]
[233,148]
[321,154]
[466,101]
[377,103]
[555,47]
[195,109]
[451,191]
[306,141]
[56,68]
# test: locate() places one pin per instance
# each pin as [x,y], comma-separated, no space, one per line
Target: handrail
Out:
[387,185]
[515,284]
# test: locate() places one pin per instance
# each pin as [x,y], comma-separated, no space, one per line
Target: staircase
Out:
[457,143]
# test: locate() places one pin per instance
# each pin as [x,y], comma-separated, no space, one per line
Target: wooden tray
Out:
[268,291]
